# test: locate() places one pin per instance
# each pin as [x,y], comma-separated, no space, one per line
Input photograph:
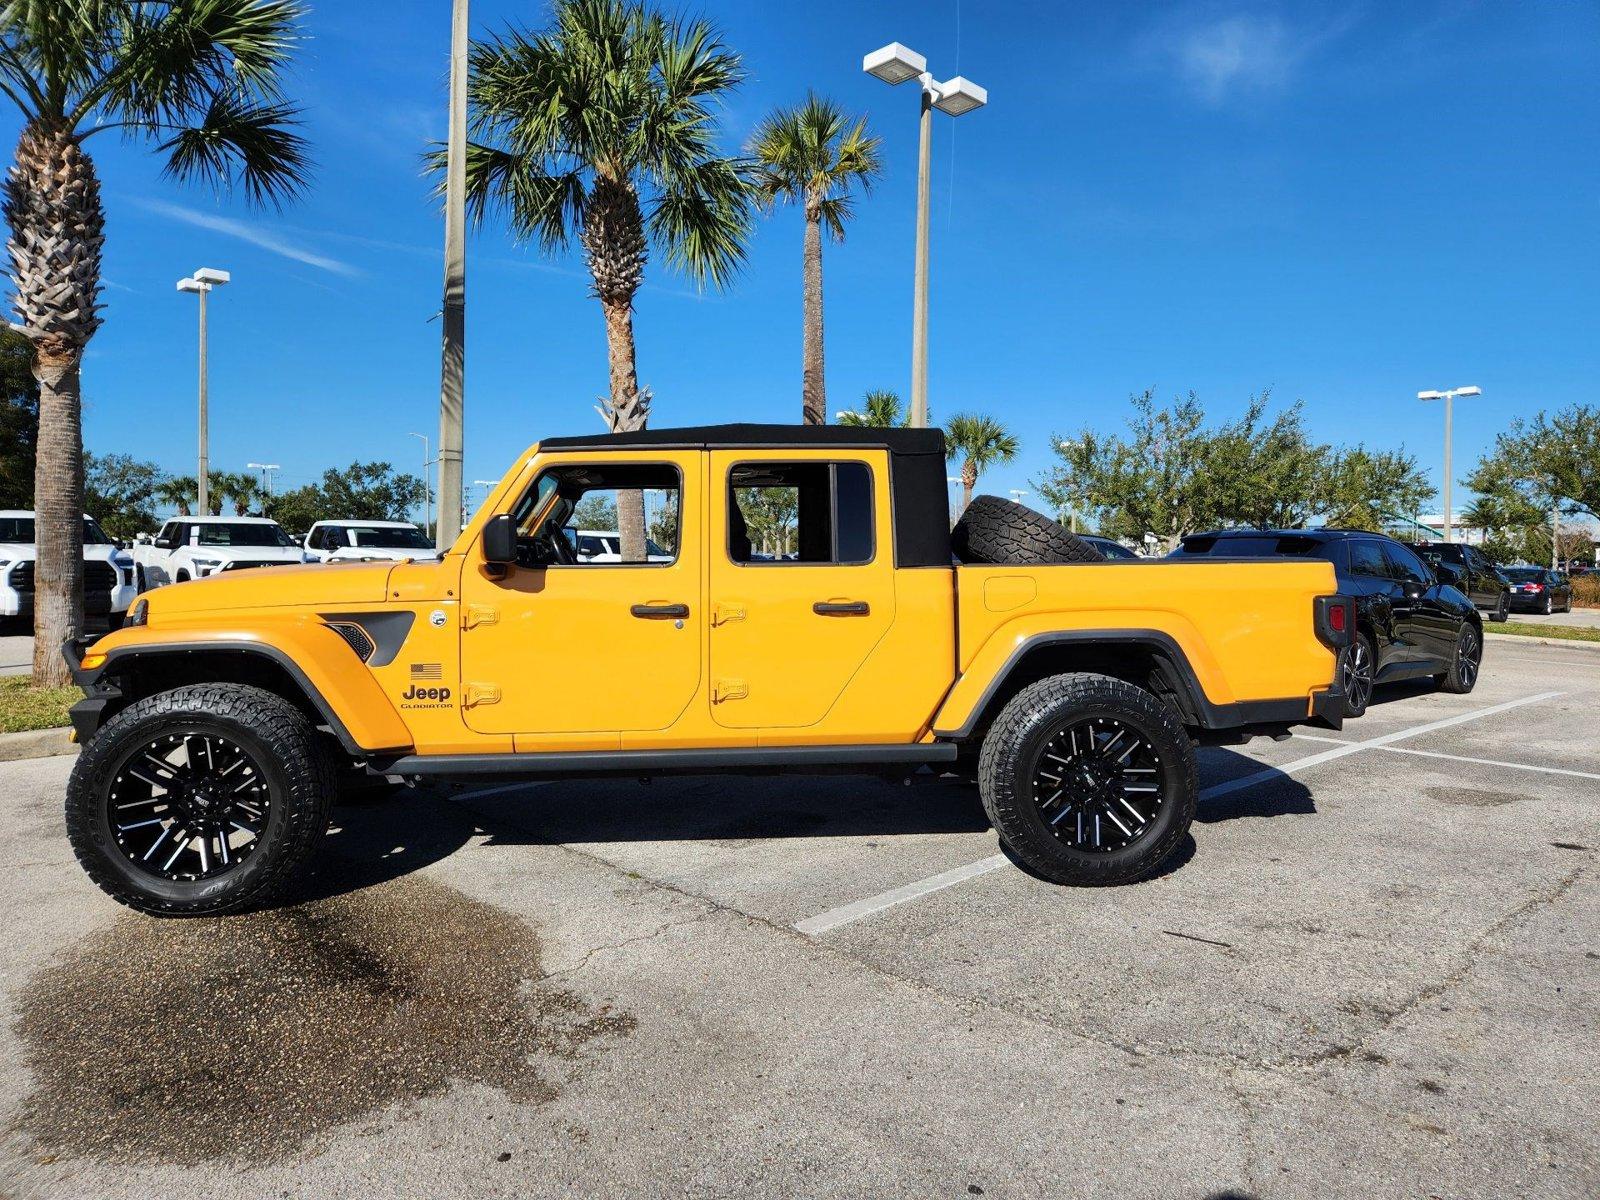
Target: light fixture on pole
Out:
[453,362]
[427,486]
[1449,399]
[266,470]
[201,283]
[1017,494]
[896,64]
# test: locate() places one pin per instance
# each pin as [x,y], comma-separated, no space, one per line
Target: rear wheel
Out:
[1462,676]
[1357,666]
[1089,780]
[1502,610]
[199,801]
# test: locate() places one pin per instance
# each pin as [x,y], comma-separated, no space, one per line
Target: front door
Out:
[564,646]
[802,582]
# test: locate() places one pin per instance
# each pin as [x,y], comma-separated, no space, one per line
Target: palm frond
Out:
[981,440]
[241,140]
[703,218]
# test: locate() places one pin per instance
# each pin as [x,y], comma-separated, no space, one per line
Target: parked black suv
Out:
[1411,619]
[1483,582]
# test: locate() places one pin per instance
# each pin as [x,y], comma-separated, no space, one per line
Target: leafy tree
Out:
[298,509]
[369,492]
[1551,459]
[980,442]
[595,511]
[880,410]
[604,127]
[1266,473]
[200,80]
[19,419]
[771,517]
[120,491]
[813,155]
[663,522]
[1360,487]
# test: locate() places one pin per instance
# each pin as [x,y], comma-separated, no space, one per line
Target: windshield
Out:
[20,531]
[388,537]
[264,534]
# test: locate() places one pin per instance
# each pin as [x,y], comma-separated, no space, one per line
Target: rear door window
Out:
[811,512]
[1404,565]
[1366,559]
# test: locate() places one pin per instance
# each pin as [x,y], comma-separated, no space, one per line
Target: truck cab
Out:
[805,612]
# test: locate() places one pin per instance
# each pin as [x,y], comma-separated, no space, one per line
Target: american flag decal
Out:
[425,672]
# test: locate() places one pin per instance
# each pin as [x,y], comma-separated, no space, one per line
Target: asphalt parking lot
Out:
[1373,973]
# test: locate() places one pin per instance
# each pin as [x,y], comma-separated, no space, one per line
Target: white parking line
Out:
[849,913]
[1461,758]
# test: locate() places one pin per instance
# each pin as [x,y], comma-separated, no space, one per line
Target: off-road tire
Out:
[1502,611]
[1019,736]
[1002,532]
[1459,679]
[284,746]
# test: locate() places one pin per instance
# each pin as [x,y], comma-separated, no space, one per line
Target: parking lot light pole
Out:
[453,364]
[201,283]
[1449,399]
[896,64]
[427,486]
[266,470]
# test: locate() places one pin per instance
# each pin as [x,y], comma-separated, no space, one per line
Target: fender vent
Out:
[355,637]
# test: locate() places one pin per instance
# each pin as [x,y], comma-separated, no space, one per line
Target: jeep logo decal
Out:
[421,693]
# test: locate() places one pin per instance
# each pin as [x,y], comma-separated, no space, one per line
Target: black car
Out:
[1114,551]
[1484,583]
[1412,620]
[1538,589]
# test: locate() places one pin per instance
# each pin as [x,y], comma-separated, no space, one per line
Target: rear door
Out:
[802,581]
[1421,616]
[1376,589]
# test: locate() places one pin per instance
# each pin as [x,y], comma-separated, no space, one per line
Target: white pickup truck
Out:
[108,581]
[367,541]
[194,547]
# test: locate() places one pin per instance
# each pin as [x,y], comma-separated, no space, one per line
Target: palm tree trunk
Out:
[57,229]
[58,518]
[969,480]
[813,391]
[628,411]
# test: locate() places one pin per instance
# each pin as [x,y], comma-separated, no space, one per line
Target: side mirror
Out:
[500,541]
[1413,588]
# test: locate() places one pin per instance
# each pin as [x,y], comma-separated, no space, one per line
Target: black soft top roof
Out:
[916,469]
[728,437]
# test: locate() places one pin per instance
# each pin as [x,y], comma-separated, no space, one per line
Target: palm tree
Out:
[200,81]
[242,491]
[179,491]
[603,127]
[812,155]
[879,410]
[980,442]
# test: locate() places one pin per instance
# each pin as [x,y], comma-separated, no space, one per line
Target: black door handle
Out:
[849,608]
[660,611]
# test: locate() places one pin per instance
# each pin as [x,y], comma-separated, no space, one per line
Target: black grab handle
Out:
[660,611]
[851,608]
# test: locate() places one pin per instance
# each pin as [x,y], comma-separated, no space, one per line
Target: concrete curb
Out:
[1592,647]
[36,743]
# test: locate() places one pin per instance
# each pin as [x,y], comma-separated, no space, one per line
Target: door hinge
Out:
[729,689]
[481,614]
[480,693]
[723,612]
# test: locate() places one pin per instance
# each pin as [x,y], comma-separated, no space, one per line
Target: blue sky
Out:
[1342,203]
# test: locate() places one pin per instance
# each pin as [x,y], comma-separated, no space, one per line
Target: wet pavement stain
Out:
[242,1038]
[1474,797]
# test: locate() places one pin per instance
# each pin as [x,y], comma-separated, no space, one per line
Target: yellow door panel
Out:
[590,647]
[787,637]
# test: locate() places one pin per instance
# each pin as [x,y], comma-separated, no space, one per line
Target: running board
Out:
[629,763]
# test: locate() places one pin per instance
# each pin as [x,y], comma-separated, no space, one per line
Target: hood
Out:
[99,552]
[306,586]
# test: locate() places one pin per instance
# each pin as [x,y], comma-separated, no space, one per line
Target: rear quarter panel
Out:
[1246,629]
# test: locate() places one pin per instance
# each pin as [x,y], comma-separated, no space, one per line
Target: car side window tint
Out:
[810,512]
[1404,565]
[1366,558]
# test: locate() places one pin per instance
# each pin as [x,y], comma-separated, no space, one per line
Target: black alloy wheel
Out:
[1357,669]
[1462,676]
[1097,784]
[188,806]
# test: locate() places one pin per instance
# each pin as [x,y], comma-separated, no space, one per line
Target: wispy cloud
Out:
[246,232]
[1219,54]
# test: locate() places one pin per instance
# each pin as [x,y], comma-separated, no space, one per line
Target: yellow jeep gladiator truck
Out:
[789,599]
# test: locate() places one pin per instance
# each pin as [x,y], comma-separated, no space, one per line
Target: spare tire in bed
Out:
[1003,532]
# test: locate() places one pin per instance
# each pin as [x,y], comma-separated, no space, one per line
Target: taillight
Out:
[1334,618]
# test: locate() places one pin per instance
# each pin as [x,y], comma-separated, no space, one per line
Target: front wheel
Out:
[204,800]
[1462,676]
[1089,780]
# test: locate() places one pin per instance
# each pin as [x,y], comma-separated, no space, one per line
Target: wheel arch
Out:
[354,709]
